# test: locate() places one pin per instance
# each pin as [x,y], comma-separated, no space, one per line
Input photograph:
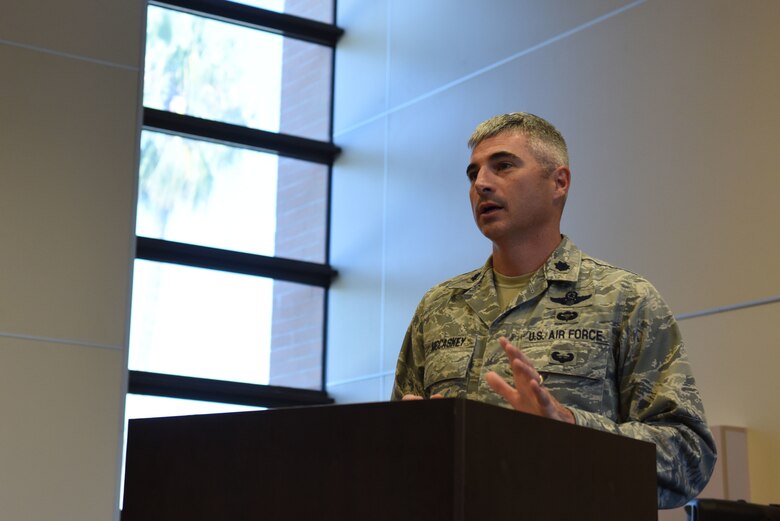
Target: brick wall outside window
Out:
[298,314]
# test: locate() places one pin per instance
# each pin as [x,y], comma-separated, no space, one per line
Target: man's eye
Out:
[503,165]
[471,175]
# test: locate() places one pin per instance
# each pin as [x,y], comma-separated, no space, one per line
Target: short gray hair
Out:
[544,140]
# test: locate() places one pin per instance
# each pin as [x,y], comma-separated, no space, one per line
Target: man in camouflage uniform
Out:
[546,329]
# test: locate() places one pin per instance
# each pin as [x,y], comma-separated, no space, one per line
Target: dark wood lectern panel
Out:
[428,460]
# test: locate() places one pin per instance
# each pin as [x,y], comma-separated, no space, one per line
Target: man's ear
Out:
[562,178]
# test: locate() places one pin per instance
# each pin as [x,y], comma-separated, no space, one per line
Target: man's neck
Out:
[518,257]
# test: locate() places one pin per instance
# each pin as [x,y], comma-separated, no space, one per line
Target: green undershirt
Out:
[508,288]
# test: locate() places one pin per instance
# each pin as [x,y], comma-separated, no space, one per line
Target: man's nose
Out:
[484,181]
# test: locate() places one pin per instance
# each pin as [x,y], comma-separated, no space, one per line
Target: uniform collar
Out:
[479,291]
[562,265]
[474,278]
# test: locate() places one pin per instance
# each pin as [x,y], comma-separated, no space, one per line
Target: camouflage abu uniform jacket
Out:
[603,339]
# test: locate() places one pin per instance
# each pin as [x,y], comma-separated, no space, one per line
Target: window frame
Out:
[277,268]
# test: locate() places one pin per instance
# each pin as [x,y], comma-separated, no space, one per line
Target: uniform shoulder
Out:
[462,281]
[456,284]
[612,275]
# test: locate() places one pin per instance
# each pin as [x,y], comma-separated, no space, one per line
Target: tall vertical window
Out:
[231,271]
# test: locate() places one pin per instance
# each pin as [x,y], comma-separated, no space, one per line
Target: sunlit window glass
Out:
[212,69]
[320,10]
[231,198]
[225,326]
[225,72]
[211,195]
[142,406]
[270,5]
[201,323]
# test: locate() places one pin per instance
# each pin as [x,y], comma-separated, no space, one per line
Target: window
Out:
[231,272]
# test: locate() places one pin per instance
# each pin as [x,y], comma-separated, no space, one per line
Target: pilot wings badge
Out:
[571,298]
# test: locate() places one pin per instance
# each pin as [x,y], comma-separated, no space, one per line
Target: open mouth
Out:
[488,208]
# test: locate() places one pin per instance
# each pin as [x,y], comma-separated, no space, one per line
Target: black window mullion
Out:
[239,393]
[226,133]
[278,268]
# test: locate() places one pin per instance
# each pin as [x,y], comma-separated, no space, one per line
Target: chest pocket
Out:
[446,371]
[575,373]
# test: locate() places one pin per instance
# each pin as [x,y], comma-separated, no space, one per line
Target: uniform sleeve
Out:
[659,402]
[410,369]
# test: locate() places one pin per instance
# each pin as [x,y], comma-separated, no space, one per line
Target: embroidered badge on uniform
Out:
[571,298]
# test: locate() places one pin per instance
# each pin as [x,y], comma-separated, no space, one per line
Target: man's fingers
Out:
[550,407]
[524,374]
[513,353]
[544,398]
[416,397]
[528,395]
[500,386]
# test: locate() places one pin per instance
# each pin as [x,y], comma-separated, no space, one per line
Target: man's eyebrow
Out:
[495,156]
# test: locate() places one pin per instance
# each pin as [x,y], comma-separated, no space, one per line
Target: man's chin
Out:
[492,230]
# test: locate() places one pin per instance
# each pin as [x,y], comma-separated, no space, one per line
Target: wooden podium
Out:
[424,460]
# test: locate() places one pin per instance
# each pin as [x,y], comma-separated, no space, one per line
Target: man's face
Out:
[512,195]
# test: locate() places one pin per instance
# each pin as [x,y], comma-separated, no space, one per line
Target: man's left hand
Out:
[528,395]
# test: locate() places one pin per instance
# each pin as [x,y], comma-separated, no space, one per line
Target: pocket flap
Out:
[447,364]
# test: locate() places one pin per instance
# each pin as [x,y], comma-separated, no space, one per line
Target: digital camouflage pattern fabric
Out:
[604,341]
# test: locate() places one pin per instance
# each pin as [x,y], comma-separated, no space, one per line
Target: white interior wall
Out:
[669,111]
[68,140]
